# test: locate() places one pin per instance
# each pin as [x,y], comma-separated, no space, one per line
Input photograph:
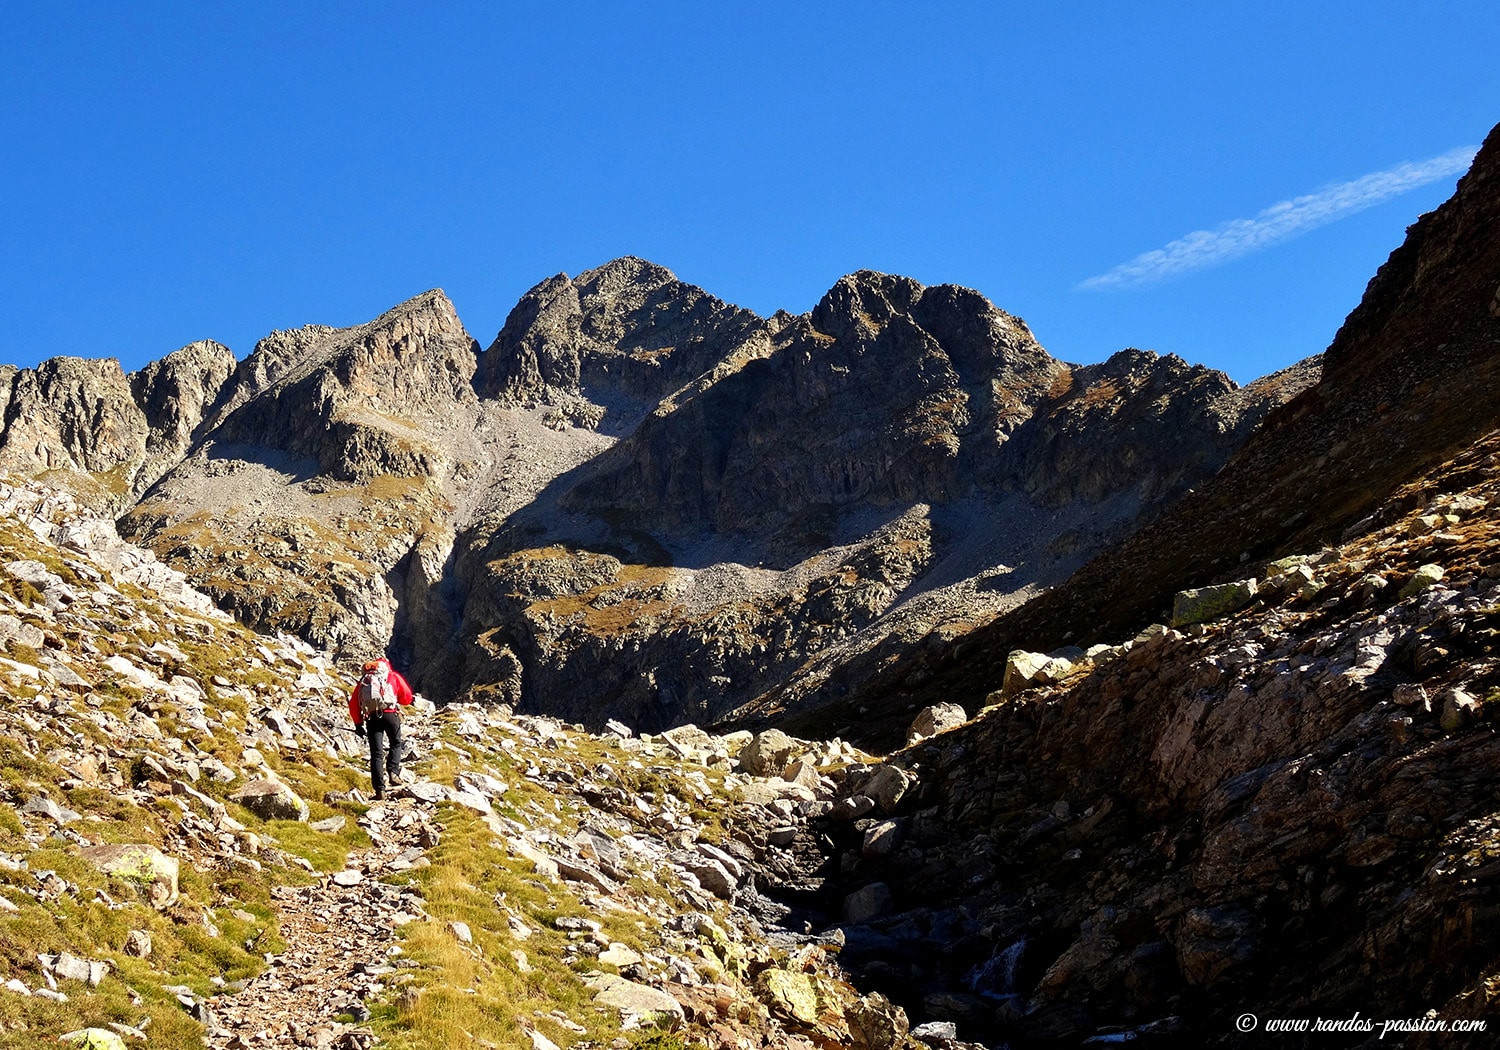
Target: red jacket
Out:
[403,692]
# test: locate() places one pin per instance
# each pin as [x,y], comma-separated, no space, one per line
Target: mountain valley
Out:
[867,678]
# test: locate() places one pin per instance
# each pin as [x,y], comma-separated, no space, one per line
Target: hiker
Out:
[375,705]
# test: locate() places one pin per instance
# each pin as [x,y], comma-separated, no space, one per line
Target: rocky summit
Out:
[867,678]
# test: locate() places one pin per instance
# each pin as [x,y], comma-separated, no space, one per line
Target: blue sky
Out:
[173,172]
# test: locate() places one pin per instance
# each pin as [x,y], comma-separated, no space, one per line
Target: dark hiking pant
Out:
[385,754]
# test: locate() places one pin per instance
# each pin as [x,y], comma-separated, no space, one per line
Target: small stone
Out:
[138,944]
[347,878]
[461,932]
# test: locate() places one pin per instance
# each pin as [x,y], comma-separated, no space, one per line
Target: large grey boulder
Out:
[644,1004]
[936,719]
[271,800]
[767,753]
[869,902]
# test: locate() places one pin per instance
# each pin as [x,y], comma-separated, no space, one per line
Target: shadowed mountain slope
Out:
[1411,378]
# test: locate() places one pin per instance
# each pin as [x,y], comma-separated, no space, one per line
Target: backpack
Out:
[376,694]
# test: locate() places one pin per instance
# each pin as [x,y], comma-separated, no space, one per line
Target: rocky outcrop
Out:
[355,399]
[606,346]
[99,433]
[322,465]
[176,394]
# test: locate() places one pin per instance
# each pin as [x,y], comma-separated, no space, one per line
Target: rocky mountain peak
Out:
[616,339]
[415,354]
[176,393]
[105,435]
[1436,293]
[865,300]
[344,396]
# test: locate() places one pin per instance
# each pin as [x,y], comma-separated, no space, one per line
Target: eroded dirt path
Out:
[342,946]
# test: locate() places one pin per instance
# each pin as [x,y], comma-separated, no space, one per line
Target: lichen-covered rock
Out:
[143,867]
[1206,604]
[1424,577]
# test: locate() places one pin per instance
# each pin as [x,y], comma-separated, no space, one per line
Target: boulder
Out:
[1021,670]
[14,630]
[1423,578]
[145,868]
[935,719]
[710,873]
[45,807]
[868,903]
[790,994]
[886,786]
[803,772]
[1207,604]
[767,754]
[271,800]
[638,1002]
[851,808]
[881,840]
[1459,709]
[876,1023]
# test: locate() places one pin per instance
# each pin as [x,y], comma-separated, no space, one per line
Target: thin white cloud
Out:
[1280,222]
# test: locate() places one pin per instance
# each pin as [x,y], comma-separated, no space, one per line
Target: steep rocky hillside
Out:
[189,857]
[1287,809]
[640,502]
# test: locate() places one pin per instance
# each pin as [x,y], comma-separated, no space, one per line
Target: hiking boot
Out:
[380,796]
